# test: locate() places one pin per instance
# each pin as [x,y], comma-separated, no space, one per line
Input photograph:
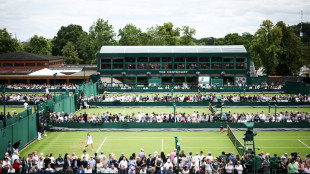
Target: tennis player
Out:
[89,141]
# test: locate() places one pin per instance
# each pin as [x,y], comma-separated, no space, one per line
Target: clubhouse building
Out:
[173,65]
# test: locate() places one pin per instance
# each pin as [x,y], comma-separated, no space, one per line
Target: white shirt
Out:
[11,170]
[113,170]
[239,169]
[25,105]
[167,165]
[105,170]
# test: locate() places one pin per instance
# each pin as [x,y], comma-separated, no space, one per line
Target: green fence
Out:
[36,90]
[22,127]
[198,104]
[297,88]
[88,89]
[217,90]
[66,105]
[175,125]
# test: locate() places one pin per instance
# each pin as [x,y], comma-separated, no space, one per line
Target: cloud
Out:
[209,18]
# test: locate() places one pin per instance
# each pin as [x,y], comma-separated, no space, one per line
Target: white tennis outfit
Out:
[89,139]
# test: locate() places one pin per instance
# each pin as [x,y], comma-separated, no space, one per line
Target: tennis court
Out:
[278,142]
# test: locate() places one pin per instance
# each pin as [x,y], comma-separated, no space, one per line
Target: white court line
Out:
[162,145]
[303,143]
[234,147]
[211,139]
[101,144]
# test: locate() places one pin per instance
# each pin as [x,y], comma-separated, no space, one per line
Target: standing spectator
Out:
[142,154]
[291,168]
[215,166]
[11,170]
[85,117]
[266,164]
[9,148]
[229,166]
[239,168]
[16,145]
[113,169]
[47,161]
[25,106]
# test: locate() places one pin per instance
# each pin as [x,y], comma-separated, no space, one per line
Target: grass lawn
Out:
[12,110]
[131,142]
[186,110]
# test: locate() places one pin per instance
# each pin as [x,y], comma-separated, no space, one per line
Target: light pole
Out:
[55,87]
[174,108]
[275,110]
[4,121]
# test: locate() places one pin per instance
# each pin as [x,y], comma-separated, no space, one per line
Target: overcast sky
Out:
[209,17]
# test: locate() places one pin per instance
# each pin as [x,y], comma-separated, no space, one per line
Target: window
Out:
[117,66]
[7,64]
[241,66]
[191,59]
[191,66]
[167,59]
[240,59]
[167,66]
[179,80]
[105,66]
[229,59]
[154,59]
[204,65]
[106,59]
[216,59]
[143,80]
[204,59]
[179,66]
[30,64]
[142,65]
[130,79]
[179,59]
[142,59]
[130,66]
[19,64]
[117,59]
[228,66]
[216,66]
[154,66]
[192,79]
[130,59]
[41,64]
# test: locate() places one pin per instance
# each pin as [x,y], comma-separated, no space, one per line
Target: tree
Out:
[205,41]
[70,54]
[7,43]
[65,34]
[38,45]
[290,54]
[164,34]
[100,33]
[231,39]
[266,46]
[187,37]
[130,35]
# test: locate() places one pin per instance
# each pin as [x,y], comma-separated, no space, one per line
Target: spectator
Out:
[59,163]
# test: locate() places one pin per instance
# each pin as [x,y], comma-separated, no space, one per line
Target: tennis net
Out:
[238,145]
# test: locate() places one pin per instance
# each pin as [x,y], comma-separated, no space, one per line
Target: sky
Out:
[210,18]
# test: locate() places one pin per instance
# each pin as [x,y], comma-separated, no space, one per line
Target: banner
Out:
[204,80]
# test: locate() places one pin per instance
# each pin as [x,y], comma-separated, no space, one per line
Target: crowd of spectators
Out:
[199,97]
[41,86]
[196,117]
[24,97]
[154,163]
[263,85]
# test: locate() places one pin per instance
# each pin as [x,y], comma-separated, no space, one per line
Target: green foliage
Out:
[7,43]
[100,33]
[187,37]
[205,41]
[266,47]
[38,45]
[164,35]
[235,39]
[289,57]
[130,35]
[70,33]
[70,54]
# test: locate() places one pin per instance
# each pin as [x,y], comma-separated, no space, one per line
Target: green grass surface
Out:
[12,110]
[279,142]
[186,110]
[131,142]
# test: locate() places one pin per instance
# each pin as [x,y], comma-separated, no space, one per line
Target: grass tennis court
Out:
[128,142]
[186,110]
[12,110]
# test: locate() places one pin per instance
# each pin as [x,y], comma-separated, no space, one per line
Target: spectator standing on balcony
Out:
[25,106]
